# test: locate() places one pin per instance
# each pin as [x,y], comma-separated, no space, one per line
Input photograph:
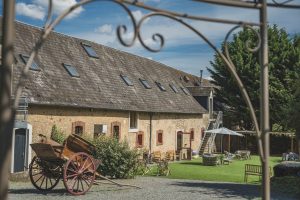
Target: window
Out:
[126,80]
[89,50]
[99,129]
[116,130]
[78,130]
[78,127]
[71,70]
[160,86]
[159,137]
[133,120]
[174,88]
[145,83]
[33,66]
[140,139]
[192,134]
[186,91]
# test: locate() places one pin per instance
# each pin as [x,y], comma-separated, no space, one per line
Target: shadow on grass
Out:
[222,190]
[190,163]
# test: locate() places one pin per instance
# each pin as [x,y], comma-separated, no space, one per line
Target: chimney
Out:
[201,72]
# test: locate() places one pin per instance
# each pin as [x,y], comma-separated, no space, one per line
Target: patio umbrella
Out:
[224,131]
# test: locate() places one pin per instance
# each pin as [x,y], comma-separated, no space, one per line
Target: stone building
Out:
[89,89]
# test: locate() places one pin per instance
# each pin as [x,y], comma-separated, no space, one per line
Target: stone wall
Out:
[42,118]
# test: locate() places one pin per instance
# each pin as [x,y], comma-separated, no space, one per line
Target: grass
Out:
[234,172]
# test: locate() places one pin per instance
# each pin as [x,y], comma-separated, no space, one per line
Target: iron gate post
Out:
[264,100]
[6,111]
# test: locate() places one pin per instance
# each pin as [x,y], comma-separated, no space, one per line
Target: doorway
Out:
[20,149]
[184,145]
[179,141]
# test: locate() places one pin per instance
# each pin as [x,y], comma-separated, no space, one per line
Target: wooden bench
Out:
[255,170]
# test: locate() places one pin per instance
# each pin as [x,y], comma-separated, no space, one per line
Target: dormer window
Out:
[126,80]
[145,83]
[186,91]
[174,88]
[33,65]
[71,70]
[89,50]
[160,86]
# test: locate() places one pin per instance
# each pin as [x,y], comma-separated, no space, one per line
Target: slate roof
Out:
[99,85]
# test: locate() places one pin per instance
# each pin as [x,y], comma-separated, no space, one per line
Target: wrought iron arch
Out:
[260,5]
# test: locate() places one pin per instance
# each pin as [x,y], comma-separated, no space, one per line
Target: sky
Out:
[183,49]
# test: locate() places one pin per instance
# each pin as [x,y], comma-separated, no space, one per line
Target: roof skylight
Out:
[33,66]
[145,83]
[174,88]
[89,50]
[160,86]
[71,70]
[126,80]
[186,91]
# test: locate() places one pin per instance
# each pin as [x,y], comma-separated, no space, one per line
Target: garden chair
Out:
[228,157]
[170,155]
[177,155]
[156,156]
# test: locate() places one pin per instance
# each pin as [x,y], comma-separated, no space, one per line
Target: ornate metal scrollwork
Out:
[282,3]
[247,44]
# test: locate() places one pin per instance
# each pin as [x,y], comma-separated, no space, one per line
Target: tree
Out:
[295,113]
[284,65]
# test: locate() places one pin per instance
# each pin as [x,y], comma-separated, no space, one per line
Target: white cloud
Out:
[38,9]
[60,5]
[106,29]
[105,39]
[137,14]
[30,10]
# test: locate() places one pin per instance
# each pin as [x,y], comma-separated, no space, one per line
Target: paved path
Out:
[152,188]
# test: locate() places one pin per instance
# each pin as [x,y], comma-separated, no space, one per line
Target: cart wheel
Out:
[79,173]
[44,175]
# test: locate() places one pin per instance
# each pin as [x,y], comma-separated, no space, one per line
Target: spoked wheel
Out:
[44,175]
[79,173]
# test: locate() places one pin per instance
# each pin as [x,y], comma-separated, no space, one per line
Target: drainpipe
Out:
[150,136]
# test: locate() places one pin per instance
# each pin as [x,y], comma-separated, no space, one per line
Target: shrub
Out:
[117,159]
[57,135]
[287,168]
[288,185]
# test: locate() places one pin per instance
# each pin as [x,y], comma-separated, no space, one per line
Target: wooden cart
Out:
[72,162]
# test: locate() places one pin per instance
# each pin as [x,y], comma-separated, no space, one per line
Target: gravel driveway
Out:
[152,188]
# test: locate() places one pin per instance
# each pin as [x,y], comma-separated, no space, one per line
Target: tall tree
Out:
[284,65]
[294,114]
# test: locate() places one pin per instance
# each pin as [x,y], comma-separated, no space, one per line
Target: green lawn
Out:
[234,172]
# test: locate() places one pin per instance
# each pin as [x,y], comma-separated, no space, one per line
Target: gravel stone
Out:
[153,188]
